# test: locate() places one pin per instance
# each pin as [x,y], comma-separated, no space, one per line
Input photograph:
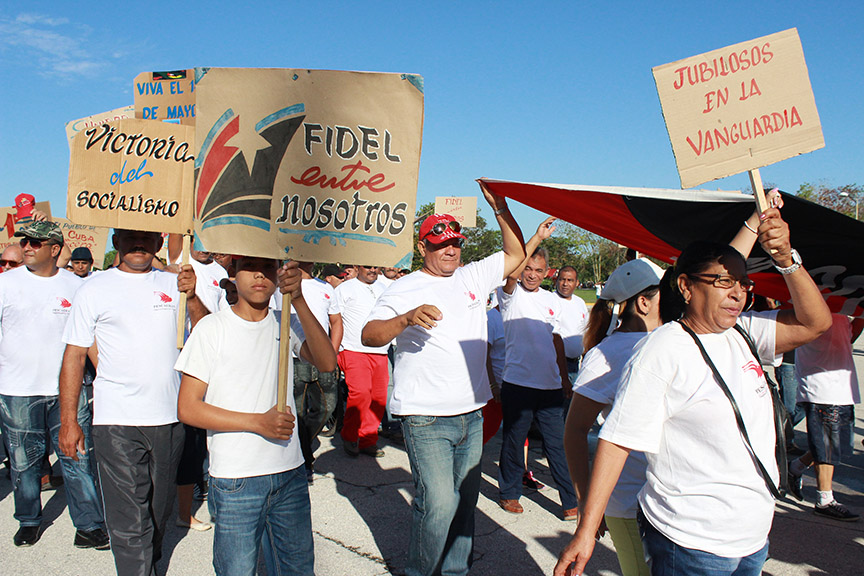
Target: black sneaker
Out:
[530,482]
[97,539]
[27,536]
[796,483]
[836,511]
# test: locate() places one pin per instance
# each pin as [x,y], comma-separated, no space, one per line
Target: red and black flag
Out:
[661,223]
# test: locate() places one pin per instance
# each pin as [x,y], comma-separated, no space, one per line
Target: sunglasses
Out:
[9,264]
[35,244]
[720,281]
[442,227]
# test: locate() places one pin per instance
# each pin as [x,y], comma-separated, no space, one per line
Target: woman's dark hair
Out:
[695,258]
[601,316]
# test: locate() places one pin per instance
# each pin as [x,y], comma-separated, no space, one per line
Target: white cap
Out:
[630,279]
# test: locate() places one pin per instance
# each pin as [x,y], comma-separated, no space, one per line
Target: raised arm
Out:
[746,237]
[810,316]
[544,231]
[512,242]
[195,308]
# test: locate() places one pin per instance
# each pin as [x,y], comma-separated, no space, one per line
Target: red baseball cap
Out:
[24,204]
[439,228]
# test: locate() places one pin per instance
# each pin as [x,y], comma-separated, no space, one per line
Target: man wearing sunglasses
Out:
[438,317]
[12,257]
[35,301]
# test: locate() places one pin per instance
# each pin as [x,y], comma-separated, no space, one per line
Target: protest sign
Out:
[462,209]
[168,96]
[75,126]
[133,174]
[312,165]
[92,237]
[739,108]
[9,222]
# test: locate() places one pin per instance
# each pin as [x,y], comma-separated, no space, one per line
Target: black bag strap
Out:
[738,418]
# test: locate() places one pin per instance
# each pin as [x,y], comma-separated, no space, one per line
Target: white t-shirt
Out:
[598,380]
[497,347]
[826,369]
[530,319]
[702,490]
[319,297]
[355,300]
[207,278]
[442,371]
[33,314]
[239,362]
[133,319]
[384,281]
[572,324]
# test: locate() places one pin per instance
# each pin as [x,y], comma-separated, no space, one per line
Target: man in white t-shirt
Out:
[130,313]
[34,305]
[316,392]
[535,378]
[364,367]
[438,317]
[388,276]
[573,320]
[827,392]
[230,372]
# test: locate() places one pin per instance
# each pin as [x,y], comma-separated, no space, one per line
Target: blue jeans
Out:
[669,559]
[271,512]
[788,383]
[520,405]
[444,452]
[26,422]
[829,431]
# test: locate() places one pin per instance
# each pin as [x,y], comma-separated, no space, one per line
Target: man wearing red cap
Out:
[438,317]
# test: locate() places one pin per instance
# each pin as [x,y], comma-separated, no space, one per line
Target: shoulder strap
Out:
[738,418]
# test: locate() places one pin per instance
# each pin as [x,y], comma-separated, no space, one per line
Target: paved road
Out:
[361,520]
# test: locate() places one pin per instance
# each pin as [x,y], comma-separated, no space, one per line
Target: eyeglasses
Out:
[441,227]
[720,281]
[9,263]
[35,244]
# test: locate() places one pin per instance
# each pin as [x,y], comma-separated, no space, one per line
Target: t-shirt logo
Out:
[754,367]
[327,296]
[62,307]
[551,312]
[64,302]
[163,301]
[215,283]
[471,295]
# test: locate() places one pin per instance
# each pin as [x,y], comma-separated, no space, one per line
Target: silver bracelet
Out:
[750,228]
[500,211]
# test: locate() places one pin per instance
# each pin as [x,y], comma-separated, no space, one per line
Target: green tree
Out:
[843,199]
[593,256]
[109,259]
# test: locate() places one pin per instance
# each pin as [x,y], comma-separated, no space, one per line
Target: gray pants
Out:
[137,470]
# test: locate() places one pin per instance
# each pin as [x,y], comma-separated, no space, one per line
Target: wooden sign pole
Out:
[758,190]
[284,354]
[181,306]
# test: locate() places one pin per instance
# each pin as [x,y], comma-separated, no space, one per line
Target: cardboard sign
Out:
[132,174]
[308,164]
[463,209]
[168,96]
[75,126]
[9,222]
[92,237]
[739,108]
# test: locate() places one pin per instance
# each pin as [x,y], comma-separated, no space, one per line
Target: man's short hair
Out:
[541,252]
[566,268]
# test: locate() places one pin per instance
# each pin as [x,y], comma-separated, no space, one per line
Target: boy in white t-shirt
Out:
[257,479]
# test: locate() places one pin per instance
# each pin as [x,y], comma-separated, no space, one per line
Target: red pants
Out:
[367,378]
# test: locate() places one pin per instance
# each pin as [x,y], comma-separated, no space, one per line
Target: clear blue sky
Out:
[530,91]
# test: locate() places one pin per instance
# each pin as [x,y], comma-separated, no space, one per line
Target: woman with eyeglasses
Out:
[706,506]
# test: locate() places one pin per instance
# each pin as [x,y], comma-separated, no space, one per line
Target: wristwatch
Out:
[796,264]
[500,211]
